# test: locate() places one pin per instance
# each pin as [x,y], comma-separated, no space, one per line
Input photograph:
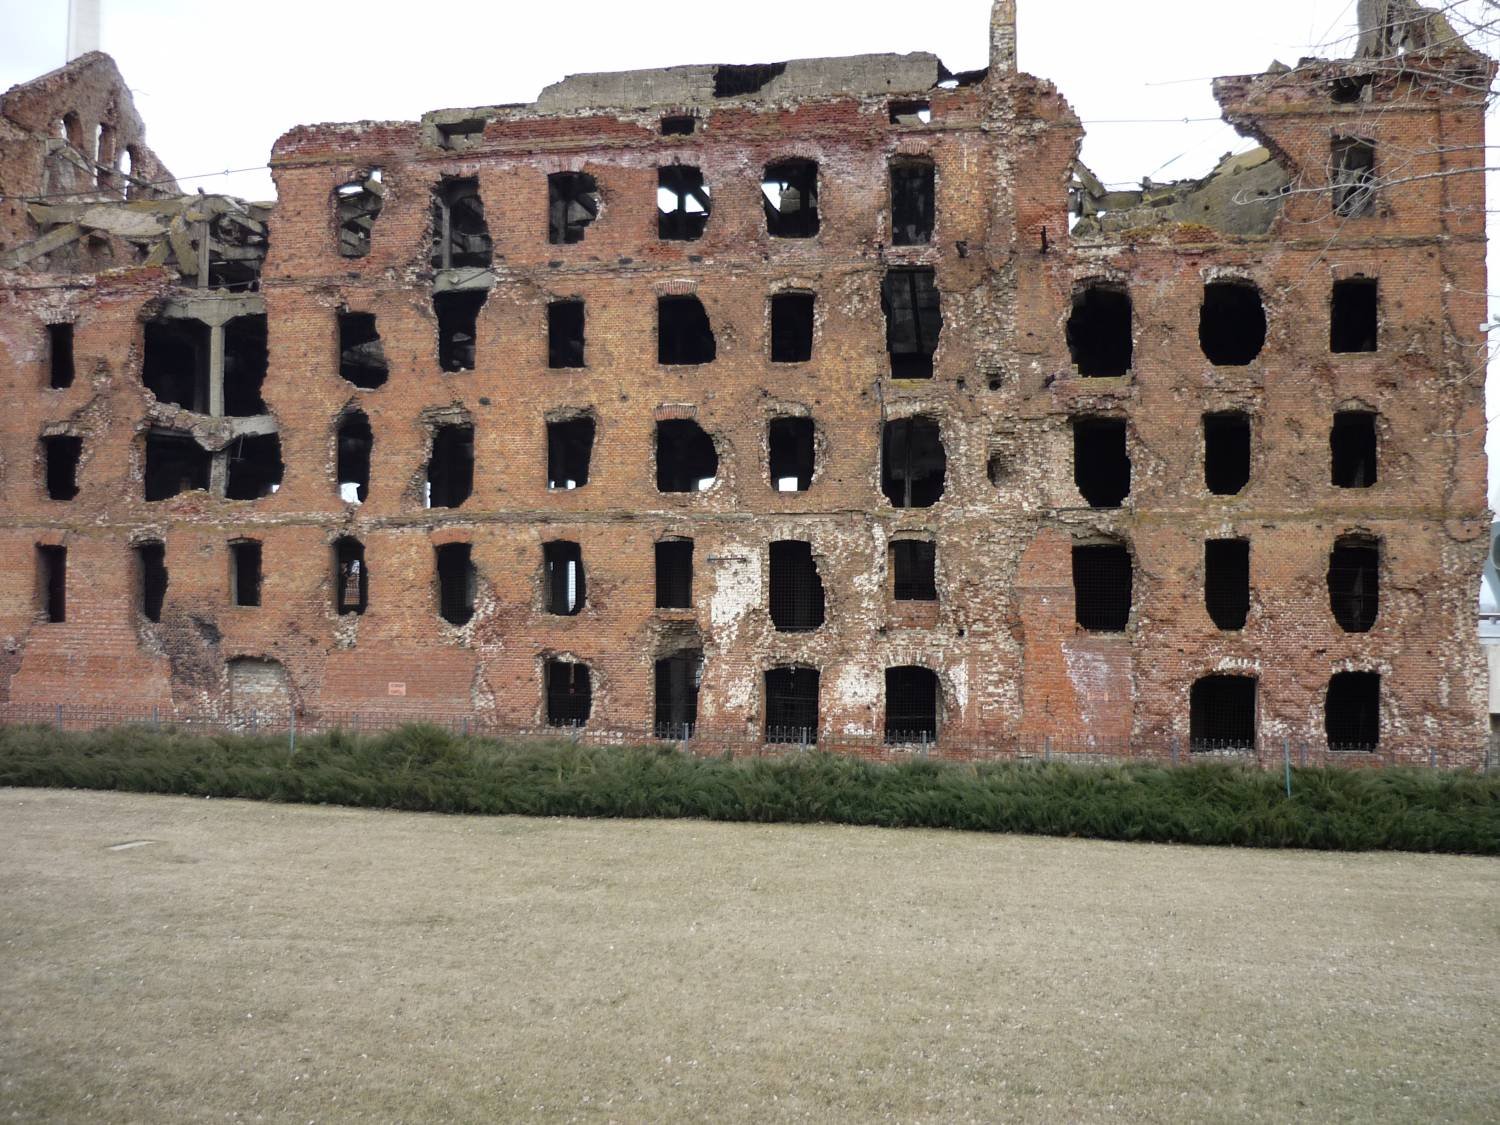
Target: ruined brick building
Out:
[821,398]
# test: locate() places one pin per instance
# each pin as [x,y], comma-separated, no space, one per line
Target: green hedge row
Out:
[427,769]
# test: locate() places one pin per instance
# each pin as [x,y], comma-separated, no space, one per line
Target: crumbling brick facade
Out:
[780,401]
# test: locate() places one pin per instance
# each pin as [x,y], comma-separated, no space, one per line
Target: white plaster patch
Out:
[736,590]
[958,676]
[1089,674]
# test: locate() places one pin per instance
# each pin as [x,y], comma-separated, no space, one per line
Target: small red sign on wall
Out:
[395,689]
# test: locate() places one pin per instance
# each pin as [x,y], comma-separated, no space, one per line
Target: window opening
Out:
[52,564]
[244,572]
[792,327]
[460,235]
[683,203]
[73,129]
[175,364]
[792,706]
[1353,177]
[913,321]
[1351,716]
[790,188]
[1226,452]
[175,462]
[1101,461]
[1354,315]
[1226,581]
[351,581]
[151,561]
[1103,580]
[565,334]
[457,583]
[562,563]
[458,324]
[792,453]
[683,333]
[914,570]
[678,679]
[1222,714]
[911,113]
[1353,445]
[569,693]
[570,446]
[245,362]
[911,705]
[361,354]
[686,460]
[356,206]
[104,155]
[914,465]
[572,204]
[254,467]
[61,453]
[674,574]
[450,468]
[60,356]
[459,135]
[354,440]
[1350,87]
[913,202]
[678,126]
[1354,582]
[1099,330]
[737,81]
[797,602]
[1231,323]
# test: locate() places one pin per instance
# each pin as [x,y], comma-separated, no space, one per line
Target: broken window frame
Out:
[790,704]
[684,332]
[686,185]
[361,353]
[61,456]
[567,693]
[460,232]
[913,200]
[1103,587]
[246,573]
[912,305]
[564,580]
[792,174]
[678,449]
[1226,582]
[796,600]
[1102,308]
[574,203]
[791,452]
[1232,328]
[1219,458]
[674,573]
[456,582]
[457,313]
[353,448]
[913,705]
[1221,719]
[913,565]
[899,451]
[1100,473]
[1352,176]
[351,577]
[450,465]
[356,207]
[1354,566]
[152,577]
[52,582]
[677,683]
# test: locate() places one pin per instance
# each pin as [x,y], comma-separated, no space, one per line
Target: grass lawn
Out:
[297,963]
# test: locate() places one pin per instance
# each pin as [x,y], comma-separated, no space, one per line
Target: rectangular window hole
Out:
[354,442]
[570,696]
[1354,315]
[572,204]
[458,326]
[1353,444]
[52,573]
[565,334]
[913,202]
[1222,714]
[678,125]
[450,468]
[792,327]
[683,332]
[911,705]
[1353,177]
[913,321]
[60,355]
[678,679]
[62,453]
[790,197]
[674,574]
[1226,452]
[686,460]
[253,467]
[151,574]
[911,113]
[914,570]
[792,443]
[1099,331]
[792,706]
[245,361]
[175,462]
[562,563]
[1354,582]
[1226,581]
[1103,580]
[460,234]
[797,602]
[361,354]
[570,446]
[175,363]
[683,203]
[914,464]
[1101,461]
[244,572]
[1351,717]
[457,583]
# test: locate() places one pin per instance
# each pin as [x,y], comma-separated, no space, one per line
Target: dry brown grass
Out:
[266,962]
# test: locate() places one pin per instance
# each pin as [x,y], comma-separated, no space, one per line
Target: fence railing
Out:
[949,745]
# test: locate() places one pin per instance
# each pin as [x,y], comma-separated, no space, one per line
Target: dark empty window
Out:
[914,570]
[356,206]
[361,354]
[911,112]
[562,566]
[565,334]
[52,574]
[351,580]
[790,190]
[683,333]
[1226,452]
[913,206]
[792,706]
[60,355]
[460,135]
[913,463]
[1351,717]
[1222,714]
[151,574]
[253,467]
[1103,578]
[456,583]
[244,572]
[1353,176]
[1226,581]
[450,469]
[1354,315]
[791,442]
[913,321]
[1231,323]
[175,463]
[460,235]
[569,693]
[61,452]
[678,678]
[572,204]
[1354,582]
[354,441]
[674,574]
[175,363]
[792,327]
[570,446]
[686,460]
[1352,444]
[683,203]
[1349,87]
[796,588]
[737,81]
[1099,328]
[245,361]
[1101,461]
[678,126]
[458,324]
[911,705]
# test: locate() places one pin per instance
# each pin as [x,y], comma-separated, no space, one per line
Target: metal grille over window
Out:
[678,678]
[911,705]
[1103,578]
[570,696]
[914,570]
[796,588]
[1351,716]
[792,706]
[1222,714]
[1354,582]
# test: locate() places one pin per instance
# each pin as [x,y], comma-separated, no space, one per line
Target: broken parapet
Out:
[1242,197]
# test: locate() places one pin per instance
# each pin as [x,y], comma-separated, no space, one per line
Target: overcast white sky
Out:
[217,82]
